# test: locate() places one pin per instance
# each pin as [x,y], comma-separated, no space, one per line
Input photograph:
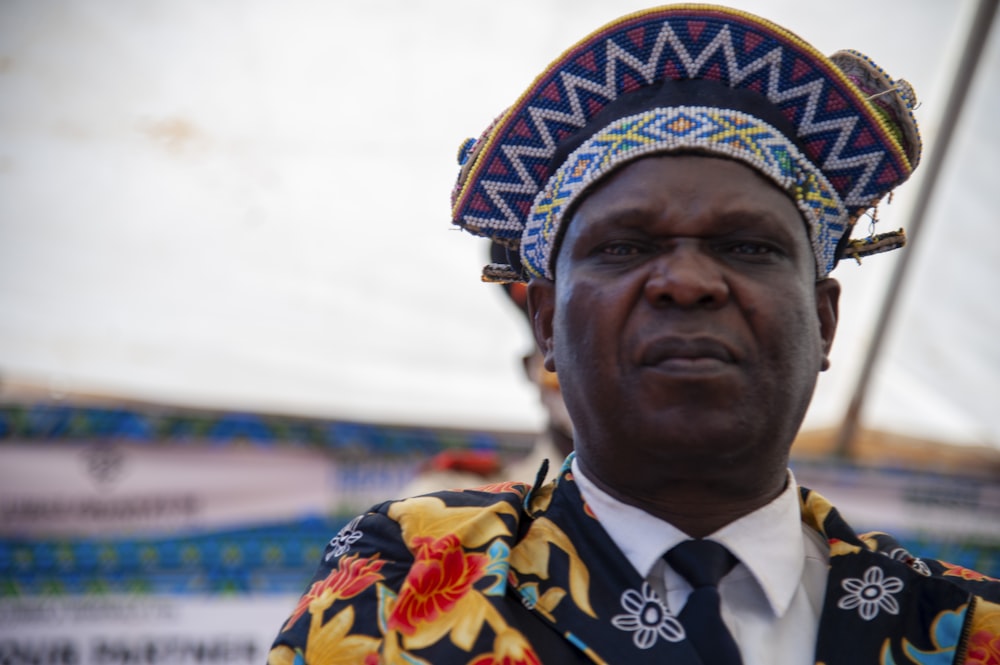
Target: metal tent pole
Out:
[961,82]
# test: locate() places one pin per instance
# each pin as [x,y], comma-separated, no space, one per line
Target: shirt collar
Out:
[641,537]
[768,541]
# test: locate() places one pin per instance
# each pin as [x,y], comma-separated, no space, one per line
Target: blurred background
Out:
[234,313]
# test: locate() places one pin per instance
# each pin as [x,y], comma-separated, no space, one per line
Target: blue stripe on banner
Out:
[66,423]
[272,559]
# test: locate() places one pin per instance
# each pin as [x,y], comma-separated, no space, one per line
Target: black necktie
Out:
[703,563]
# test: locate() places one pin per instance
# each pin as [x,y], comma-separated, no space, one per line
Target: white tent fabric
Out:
[245,204]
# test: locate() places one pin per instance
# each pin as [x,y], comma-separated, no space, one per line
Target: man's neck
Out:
[698,507]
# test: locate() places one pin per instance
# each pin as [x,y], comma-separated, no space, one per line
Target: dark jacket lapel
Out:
[882,598]
[572,575]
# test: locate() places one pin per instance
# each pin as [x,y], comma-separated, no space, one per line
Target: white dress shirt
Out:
[771,599]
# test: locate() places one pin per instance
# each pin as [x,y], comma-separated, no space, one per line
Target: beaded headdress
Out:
[836,133]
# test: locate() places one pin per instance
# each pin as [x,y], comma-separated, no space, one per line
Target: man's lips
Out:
[687,352]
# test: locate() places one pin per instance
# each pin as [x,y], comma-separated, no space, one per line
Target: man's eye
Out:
[620,249]
[751,248]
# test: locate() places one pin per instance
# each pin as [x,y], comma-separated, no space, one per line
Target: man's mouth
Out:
[687,353]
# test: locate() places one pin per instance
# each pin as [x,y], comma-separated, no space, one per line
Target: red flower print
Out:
[350,578]
[441,574]
[965,573]
[516,487]
[527,658]
[984,648]
[509,648]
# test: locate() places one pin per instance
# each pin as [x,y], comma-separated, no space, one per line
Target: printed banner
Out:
[945,508]
[105,489]
[140,630]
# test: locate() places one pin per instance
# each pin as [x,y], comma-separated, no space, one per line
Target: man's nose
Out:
[684,275]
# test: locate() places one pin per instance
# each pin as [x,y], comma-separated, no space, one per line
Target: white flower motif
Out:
[871,594]
[346,537]
[901,555]
[647,617]
[921,567]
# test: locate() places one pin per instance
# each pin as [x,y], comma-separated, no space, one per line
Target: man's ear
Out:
[541,308]
[827,310]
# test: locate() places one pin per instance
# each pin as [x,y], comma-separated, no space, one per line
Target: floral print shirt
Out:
[504,574]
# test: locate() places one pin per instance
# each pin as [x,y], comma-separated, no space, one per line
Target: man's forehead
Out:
[717,194]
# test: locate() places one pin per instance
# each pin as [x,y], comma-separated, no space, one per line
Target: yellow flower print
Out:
[330,644]
[984,635]
[429,516]
[815,509]
[531,556]
[509,648]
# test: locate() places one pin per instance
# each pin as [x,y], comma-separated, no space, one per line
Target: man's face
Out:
[685,320]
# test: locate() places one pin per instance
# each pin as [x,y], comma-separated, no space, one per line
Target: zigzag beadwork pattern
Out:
[837,128]
[725,132]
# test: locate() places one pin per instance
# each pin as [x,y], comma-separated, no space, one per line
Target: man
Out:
[679,185]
